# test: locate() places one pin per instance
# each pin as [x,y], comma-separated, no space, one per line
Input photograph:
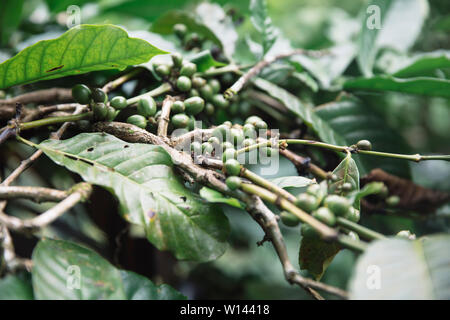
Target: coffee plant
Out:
[234,145]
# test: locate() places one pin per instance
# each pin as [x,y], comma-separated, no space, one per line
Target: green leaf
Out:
[368,189]
[150,194]
[420,85]
[82,49]
[65,270]
[263,23]
[392,30]
[214,196]
[138,287]
[10,16]
[16,287]
[346,172]
[306,113]
[292,181]
[354,120]
[204,60]
[402,269]
[316,255]
[56,6]
[424,64]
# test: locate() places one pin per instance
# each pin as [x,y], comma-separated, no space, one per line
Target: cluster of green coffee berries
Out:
[97,99]
[189,40]
[322,206]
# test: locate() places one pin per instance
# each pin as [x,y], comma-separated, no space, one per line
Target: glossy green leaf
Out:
[346,172]
[420,85]
[263,23]
[292,182]
[398,269]
[10,16]
[354,120]
[316,255]
[370,188]
[16,287]
[204,60]
[424,64]
[306,113]
[150,194]
[82,49]
[214,196]
[138,287]
[68,271]
[389,23]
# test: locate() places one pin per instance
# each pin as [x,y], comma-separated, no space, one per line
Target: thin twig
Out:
[40,97]
[37,194]
[121,80]
[164,119]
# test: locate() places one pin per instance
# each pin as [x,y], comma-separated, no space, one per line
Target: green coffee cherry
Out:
[207,147]
[146,107]
[194,105]
[227,78]
[209,109]
[353,215]
[138,121]
[188,69]
[162,70]
[192,40]
[180,120]
[260,125]
[178,107]
[308,232]
[222,132]
[193,93]
[353,235]
[177,59]
[364,145]
[83,125]
[393,201]
[346,187]
[248,142]
[198,82]
[233,182]
[196,147]
[180,30]
[184,84]
[267,151]
[325,215]
[314,190]
[253,120]
[232,167]
[227,145]
[406,234]
[237,136]
[219,101]
[215,85]
[81,94]
[289,219]
[206,92]
[98,95]
[214,141]
[118,102]
[228,124]
[339,205]
[249,130]
[228,154]
[111,113]
[100,111]
[306,202]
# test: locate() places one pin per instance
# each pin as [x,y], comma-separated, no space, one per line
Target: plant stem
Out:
[361,230]
[163,88]
[412,157]
[325,231]
[121,80]
[54,120]
[215,72]
[349,243]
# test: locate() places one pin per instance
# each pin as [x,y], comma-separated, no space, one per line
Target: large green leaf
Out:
[424,64]
[150,194]
[65,270]
[306,113]
[10,16]
[420,85]
[354,120]
[263,23]
[82,49]
[400,24]
[16,287]
[404,269]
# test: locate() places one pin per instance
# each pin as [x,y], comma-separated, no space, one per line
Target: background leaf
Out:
[10,16]
[420,85]
[99,280]
[16,287]
[401,22]
[150,194]
[263,23]
[416,269]
[82,49]
[424,64]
